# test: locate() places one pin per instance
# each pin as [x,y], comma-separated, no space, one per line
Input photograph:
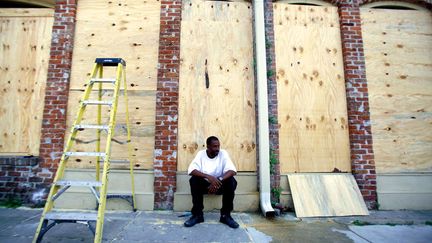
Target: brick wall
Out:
[165,150]
[360,135]
[272,94]
[57,89]
[18,179]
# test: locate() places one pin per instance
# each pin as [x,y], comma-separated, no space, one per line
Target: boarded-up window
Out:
[25,39]
[398,50]
[129,30]
[312,110]
[217,81]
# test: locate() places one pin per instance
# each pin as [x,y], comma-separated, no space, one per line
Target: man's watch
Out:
[220,178]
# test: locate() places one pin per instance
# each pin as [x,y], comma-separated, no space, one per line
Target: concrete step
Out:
[84,200]
[243,202]
[246,182]
[246,198]
[119,182]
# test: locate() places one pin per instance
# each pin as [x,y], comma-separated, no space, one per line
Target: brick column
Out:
[362,155]
[272,95]
[165,153]
[57,90]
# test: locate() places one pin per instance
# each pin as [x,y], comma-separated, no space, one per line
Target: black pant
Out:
[199,187]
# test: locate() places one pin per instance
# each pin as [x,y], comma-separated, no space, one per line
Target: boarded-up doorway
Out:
[129,31]
[217,81]
[312,108]
[25,39]
[398,52]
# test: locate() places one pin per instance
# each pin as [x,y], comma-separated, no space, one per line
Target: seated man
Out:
[212,172]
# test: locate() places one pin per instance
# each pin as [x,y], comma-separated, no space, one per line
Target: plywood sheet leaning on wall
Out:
[217,81]
[25,39]
[398,50]
[312,109]
[130,30]
[317,195]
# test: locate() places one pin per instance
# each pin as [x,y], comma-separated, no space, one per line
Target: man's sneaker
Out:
[194,220]
[228,220]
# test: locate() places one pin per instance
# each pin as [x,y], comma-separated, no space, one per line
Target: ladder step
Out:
[78,216]
[117,161]
[90,154]
[102,80]
[91,126]
[122,196]
[79,183]
[97,102]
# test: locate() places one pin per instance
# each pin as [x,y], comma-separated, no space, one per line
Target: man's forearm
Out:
[228,174]
[199,174]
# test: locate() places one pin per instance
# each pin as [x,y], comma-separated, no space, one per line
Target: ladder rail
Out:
[103,190]
[131,164]
[99,121]
[60,171]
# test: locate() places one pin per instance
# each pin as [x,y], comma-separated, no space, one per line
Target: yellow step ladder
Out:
[93,219]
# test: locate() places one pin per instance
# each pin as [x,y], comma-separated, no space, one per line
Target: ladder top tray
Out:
[110,61]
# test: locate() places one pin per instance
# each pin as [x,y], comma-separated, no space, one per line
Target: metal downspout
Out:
[263,125]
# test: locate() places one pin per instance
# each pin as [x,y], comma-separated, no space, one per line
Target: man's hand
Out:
[215,184]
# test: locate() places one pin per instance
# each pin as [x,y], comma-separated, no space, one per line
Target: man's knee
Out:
[196,182]
[230,184]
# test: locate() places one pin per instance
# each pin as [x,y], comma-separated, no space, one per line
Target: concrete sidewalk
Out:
[19,225]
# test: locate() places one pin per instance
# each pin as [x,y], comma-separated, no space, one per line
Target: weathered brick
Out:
[167,104]
[358,100]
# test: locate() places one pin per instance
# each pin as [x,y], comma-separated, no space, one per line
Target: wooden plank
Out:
[26,12]
[141,114]
[129,30]
[220,35]
[317,195]
[398,55]
[24,58]
[312,111]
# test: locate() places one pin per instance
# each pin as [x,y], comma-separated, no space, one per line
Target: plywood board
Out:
[126,29]
[398,52]
[317,195]
[26,12]
[130,30]
[141,115]
[25,44]
[312,109]
[217,81]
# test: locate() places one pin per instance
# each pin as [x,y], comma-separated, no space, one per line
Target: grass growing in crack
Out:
[360,223]
[11,203]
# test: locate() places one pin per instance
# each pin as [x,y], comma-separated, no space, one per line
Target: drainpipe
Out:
[263,125]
